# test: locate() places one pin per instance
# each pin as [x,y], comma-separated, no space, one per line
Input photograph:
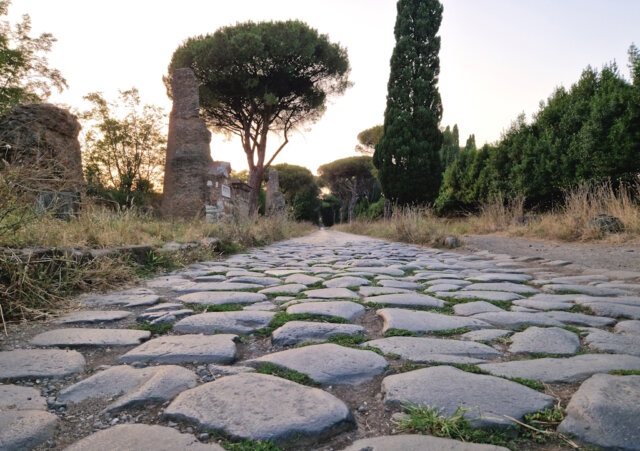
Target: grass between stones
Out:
[578,308]
[281,318]
[316,285]
[531,383]
[573,329]
[538,427]
[450,332]
[205,308]
[230,444]
[156,329]
[285,373]
[625,372]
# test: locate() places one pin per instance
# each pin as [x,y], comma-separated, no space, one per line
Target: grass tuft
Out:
[204,308]
[156,329]
[625,372]
[531,383]
[285,373]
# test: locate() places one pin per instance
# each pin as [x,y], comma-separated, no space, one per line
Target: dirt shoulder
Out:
[590,255]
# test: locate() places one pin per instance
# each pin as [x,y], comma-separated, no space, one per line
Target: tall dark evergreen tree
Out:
[407,156]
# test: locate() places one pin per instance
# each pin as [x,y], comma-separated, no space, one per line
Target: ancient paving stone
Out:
[631,327]
[378,270]
[472,308]
[579,279]
[126,300]
[224,370]
[543,305]
[304,279]
[295,332]
[17,397]
[485,334]
[164,317]
[221,297]
[406,284]
[243,273]
[92,316]
[90,337]
[328,363]
[131,386]
[242,322]
[167,282]
[426,350]
[502,296]
[331,293]
[286,410]
[185,349]
[375,291]
[266,306]
[580,319]
[343,309]
[292,288]
[563,370]
[517,319]
[502,286]
[442,287]
[347,281]
[213,278]
[284,272]
[604,341]
[500,277]
[416,442]
[405,300]
[583,289]
[141,437]
[632,301]
[545,340]
[421,322]
[604,412]
[165,306]
[25,429]
[488,398]
[264,281]
[457,282]
[39,363]
[220,286]
[614,310]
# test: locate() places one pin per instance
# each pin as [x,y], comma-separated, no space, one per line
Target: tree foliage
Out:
[300,190]
[350,179]
[368,139]
[407,155]
[258,78]
[589,133]
[450,146]
[25,75]
[124,153]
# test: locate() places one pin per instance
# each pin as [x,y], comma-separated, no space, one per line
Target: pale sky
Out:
[498,57]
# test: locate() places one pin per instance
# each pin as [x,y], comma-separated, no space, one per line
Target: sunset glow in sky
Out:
[498,57]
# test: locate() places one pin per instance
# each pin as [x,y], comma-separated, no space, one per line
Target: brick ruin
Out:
[194,184]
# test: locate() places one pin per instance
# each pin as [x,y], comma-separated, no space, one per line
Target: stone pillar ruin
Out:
[274,203]
[188,162]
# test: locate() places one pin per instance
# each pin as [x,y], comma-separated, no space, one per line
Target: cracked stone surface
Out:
[328,363]
[442,308]
[488,398]
[285,410]
[131,386]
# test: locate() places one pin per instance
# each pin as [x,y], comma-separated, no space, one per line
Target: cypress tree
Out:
[407,156]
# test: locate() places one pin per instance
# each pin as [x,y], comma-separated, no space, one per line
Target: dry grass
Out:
[408,224]
[569,222]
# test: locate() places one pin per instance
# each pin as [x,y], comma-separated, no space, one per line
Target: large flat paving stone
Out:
[517,319]
[17,397]
[488,398]
[131,386]
[242,322]
[617,343]
[342,309]
[630,327]
[389,271]
[542,304]
[90,337]
[141,437]
[264,281]
[185,349]
[426,350]
[295,332]
[405,300]
[261,407]
[331,293]
[93,316]
[485,334]
[328,363]
[501,296]
[424,322]
[405,284]
[614,310]
[221,286]
[39,363]
[221,297]
[25,429]
[545,340]
[416,442]
[291,288]
[604,412]
[304,279]
[375,291]
[580,319]
[501,277]
[475,307]
[346,281]
[135,299]
[589,290]
[502,286]
[563,370]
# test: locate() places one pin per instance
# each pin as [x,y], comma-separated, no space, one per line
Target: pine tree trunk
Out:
[353,201]
[255,182]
